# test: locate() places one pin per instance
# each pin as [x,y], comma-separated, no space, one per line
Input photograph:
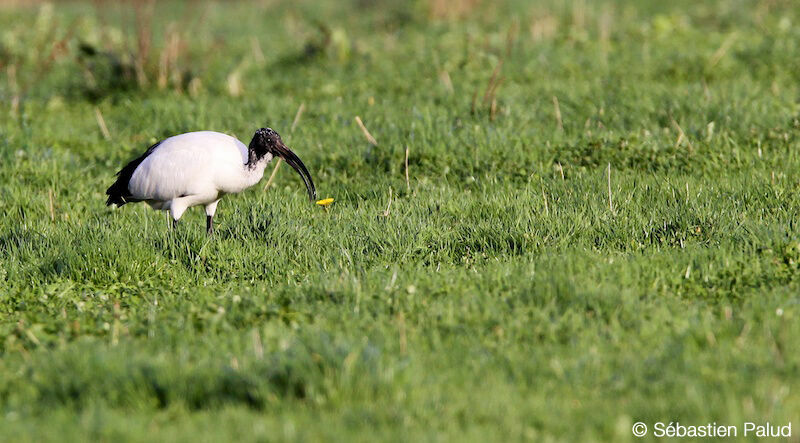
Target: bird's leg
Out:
[211,208]
[174,224]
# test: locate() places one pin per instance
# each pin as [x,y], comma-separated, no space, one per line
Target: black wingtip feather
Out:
[118,193]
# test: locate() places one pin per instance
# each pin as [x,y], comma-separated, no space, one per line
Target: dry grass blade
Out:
[546,207]
[101,122]
[474,102]
[258,54]
[389,206]
[144,35]
[681,135]
[364,130]
[234,83]
[168,70]
[687,193]
[493,96]
[52,205]
[557,108]
[723,49]
[297,116]
[511,37]
[492,82]
[444,76]
[278,164]
[610,205]
[490,92]
[258,345]
[408,185]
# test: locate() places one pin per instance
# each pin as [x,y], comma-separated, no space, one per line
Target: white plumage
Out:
[198,168]
[195,168]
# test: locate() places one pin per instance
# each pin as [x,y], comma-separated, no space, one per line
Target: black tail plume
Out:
[118,193]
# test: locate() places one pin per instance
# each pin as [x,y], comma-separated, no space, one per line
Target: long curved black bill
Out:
[294,161]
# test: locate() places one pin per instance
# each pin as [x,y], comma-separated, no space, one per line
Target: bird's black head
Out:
[266,141]
[263,143]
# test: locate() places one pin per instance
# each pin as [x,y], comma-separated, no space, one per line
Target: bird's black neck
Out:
[256,151]
[255,156]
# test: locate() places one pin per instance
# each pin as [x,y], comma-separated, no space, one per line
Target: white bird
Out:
[198,168]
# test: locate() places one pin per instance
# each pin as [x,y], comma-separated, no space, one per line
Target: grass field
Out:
[599,225]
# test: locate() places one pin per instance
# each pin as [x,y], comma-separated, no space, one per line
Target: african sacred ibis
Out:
[198,168]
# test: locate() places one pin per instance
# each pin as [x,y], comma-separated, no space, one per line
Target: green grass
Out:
[499,299]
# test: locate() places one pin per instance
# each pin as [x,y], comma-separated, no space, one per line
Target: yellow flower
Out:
[325,202]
